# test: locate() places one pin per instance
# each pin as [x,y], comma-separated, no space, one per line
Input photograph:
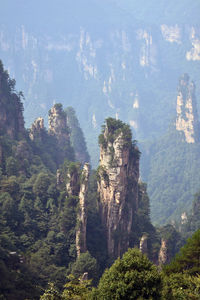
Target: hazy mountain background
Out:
[105,58]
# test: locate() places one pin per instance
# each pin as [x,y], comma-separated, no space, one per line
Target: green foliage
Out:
[181,286]
[76,289]
[188,259]
[115,128]
[101,172]
[85,263]
[11,166]
[76,136]
[51,293]
[192,223]
[173,239]
[110,132]
[131,277]
[171,188]
[96,234]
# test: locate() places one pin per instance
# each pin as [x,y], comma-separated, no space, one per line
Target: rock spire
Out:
[58,124]
[37,129]
[187,117]
[118,174]
[77,186]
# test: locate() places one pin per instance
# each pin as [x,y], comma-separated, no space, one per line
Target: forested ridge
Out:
[39,220]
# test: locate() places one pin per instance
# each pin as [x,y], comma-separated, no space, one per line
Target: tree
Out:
[132,277]
[76,289]
[181,286]
[77,137]
[85,263]
[188,259]
[51,293]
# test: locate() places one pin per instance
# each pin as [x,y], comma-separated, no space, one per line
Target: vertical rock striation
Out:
[143,244]
[60,133]
[77,186]
[82,214]
[58,124]
[187,118]
[77,137]
[118,184]
[37,129]
[163,256]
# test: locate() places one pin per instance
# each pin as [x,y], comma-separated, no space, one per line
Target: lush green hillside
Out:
[40,187]
[173,176]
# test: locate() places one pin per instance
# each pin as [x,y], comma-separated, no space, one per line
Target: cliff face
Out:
[36,129]
[143,244]
[60,133]
[58,124]
[82,214]
[187,118]
[77,137]
[11,107]
[77,185]
[163,256]
[118,184]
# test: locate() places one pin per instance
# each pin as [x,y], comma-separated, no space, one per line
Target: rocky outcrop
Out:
[171,34]
[58,124]
[37,129]
[143,244]
[163,257]
[77,137]
[11,120]
[77,186]
[184,218]
[73,179]
[59,134]
[1,154]
[82,215]
[187,118]
[118,184]
[194,53]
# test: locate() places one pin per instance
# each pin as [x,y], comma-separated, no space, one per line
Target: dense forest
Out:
[54,242]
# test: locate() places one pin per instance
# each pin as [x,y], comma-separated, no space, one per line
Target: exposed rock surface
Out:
[77,137]
[194,53]
[118,184]
[171,34]
[163,253]
[37,129]
[73,182]
[184,218]
[187,118]
[1,154]
[82,215]
[58,124]
[143,244]
[77,185]
[11,120]
[59,133]
[11,107]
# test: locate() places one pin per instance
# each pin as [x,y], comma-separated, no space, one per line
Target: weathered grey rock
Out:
[82,213]
[1,155]
[58,177]
[143,244]
[187,117]
[77,185]
[12,122]
[73,182]
[36,129]
[163,257]
[58,124]
[118,188]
